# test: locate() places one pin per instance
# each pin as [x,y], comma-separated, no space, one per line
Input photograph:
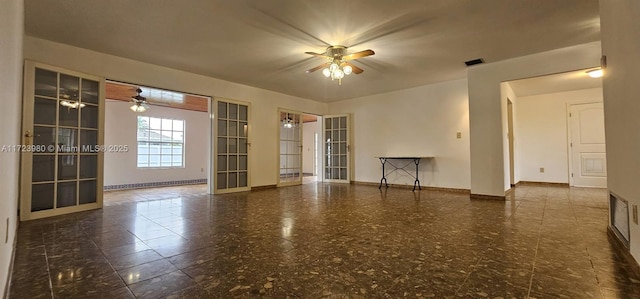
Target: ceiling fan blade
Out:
[356,70]
[357,55]
[317,54]
[316,68]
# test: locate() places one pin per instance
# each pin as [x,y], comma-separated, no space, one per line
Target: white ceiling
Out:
[568,81]
[262,43]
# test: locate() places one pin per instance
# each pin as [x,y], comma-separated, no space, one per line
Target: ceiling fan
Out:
[139,102]
[338,65]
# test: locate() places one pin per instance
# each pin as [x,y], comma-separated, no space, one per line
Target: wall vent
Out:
[474,62]
[619,209]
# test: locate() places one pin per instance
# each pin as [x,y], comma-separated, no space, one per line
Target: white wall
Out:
[620,43]
[120,129]
[264,103]
[487,111]
[542,134]
[308,145]
[420,121]
[11,35]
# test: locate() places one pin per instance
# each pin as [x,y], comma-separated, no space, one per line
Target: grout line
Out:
[535,257]
[46,258]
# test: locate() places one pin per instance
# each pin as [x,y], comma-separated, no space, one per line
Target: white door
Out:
[587,144]
[62,153]
[232,171]
[336,148]
[290,132]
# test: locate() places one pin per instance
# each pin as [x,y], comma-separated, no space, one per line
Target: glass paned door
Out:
[62,123]
[232,147]
[290,170]
[336,148]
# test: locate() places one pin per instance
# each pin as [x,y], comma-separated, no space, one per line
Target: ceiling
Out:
[568,81]
[262,43]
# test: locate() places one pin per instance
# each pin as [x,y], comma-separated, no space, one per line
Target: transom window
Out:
[160,142]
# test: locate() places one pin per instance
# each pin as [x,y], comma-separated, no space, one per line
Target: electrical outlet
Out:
[541,169]
[459,135]
[635,214]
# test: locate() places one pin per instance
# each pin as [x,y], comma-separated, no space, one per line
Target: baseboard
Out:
[488,197]
[154,184]
[548,184]
[11,264]
[425,188]
[623,250]
[264,187]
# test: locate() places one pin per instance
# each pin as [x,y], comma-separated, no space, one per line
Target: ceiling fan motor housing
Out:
[337,52]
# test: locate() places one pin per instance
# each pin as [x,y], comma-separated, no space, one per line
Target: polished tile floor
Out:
[326,241]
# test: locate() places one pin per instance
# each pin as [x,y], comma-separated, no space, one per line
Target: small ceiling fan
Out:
[139,102]
[338,65]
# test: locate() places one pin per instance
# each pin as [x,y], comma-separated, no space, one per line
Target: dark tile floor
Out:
[327,240]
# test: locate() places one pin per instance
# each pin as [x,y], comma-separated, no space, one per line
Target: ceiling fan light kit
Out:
[139,102]
[338,65]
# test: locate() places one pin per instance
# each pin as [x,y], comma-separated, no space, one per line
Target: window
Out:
[160,142]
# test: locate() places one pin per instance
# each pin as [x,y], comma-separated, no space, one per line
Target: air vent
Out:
[619,217]
[474,62]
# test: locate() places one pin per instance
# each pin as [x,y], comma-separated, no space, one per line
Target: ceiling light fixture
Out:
[595,73]
[338,64]
[139,102]
[287,122]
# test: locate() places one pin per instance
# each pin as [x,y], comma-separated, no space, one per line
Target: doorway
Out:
[300,151]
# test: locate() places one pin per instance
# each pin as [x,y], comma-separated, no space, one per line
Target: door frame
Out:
[26,160]
[570,139]
[214,144]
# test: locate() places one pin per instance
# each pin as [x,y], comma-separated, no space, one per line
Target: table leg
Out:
[417,181]
[384,178]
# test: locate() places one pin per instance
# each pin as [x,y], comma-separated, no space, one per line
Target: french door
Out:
[336,148]
[62,146]
[290,132]
[232,145]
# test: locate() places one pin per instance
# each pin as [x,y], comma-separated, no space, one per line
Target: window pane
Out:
[155,123]
[233,111]
[177,136]
[166,149]
[143,148]
[178,125]
[165,161]
[243,113]
[177,150]
[154,160]
[167,136]
[222,110]
[167,124]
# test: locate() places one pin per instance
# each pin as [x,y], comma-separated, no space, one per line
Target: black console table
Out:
[412,160]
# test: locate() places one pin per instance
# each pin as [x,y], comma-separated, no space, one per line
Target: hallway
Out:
[328,241]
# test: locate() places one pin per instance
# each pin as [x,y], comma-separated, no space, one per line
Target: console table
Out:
[411,160]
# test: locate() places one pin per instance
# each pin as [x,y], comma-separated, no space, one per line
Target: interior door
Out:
[588,158]
[62,151]
[290,170]
[336,148]
[232,146]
